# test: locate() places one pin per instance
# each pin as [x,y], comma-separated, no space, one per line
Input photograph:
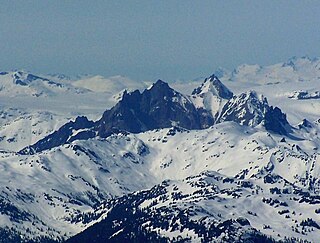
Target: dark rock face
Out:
[25,79]
[63,135]
[18,78]
[305,124]
[157,107]
[213,84]
[206,118]
[276,121]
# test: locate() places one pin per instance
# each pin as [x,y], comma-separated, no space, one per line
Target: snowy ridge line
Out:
[205,162]
[161,107]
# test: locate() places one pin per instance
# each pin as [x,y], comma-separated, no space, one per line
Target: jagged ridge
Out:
[161,107]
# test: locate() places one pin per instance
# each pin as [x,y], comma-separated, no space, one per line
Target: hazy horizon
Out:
[148,40]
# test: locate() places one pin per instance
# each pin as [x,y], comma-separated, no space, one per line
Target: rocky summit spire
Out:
[214,86]
[157,107]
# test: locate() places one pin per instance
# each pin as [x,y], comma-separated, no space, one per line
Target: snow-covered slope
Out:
[83,174]
[47,190]
[208,207]
[27,128]
[99,169]
[252,171]
[33,106]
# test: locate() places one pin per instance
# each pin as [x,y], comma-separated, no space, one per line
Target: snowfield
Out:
[234,180]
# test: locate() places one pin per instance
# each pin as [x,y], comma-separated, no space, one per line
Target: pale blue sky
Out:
[151,39]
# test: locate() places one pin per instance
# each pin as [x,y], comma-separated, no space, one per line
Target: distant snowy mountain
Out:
[24,83]
[229,158]
[281,83]
[114,84]
[295,69]
[304,95]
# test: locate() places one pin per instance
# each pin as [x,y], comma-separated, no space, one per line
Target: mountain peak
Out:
[159,84]
[213,77]
[252,109]
[160,106]
[246,109]
[253,95]
[214,86]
